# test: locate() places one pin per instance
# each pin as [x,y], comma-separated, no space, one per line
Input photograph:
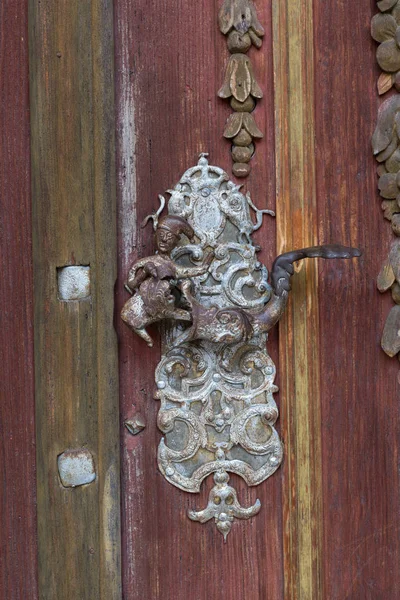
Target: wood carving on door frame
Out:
[238,21]
[385,29]
[215,379]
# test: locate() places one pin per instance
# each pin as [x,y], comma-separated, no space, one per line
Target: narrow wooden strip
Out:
[299,331]
[73,188]
[18,565]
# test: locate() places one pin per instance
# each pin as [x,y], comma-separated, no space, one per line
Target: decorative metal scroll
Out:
[238,21]
[215,380]
[385,29]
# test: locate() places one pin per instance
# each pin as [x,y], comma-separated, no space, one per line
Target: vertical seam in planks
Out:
[299,330]
[74,223]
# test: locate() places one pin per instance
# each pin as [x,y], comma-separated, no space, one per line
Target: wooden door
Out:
[123,98]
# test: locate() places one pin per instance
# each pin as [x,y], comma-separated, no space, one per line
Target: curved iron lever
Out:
[282,268]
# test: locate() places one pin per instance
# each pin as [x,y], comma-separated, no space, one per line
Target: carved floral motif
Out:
[386,148]
[385,29]
[238,21]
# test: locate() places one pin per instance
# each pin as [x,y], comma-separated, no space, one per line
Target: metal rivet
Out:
[135,425]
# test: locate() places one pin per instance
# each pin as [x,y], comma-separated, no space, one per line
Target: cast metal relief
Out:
[238,21]
[215,380]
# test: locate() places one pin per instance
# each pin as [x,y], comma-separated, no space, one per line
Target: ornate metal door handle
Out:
[215,380]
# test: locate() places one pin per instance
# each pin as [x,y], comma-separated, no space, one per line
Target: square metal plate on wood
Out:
[73,282]
[76,467]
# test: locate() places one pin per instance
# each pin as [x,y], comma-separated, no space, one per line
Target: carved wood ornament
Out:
[238,21]
[385,29]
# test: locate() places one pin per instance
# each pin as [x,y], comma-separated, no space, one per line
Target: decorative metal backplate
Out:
[215,379]
[217,407]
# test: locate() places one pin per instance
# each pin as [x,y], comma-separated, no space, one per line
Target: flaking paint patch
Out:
[127,143]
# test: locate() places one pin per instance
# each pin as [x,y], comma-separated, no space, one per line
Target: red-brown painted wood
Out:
[170,60]
[18,569]
[360,394]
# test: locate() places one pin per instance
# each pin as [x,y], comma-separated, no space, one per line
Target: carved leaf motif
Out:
[388,56]
[391,334]
[250,125]
[385,83]
[394,259]
[387,186]
[239,79]
[386,4]
[396,12]
[383,27]
[240,15]
[233,125]
[385,132]
[390,208]
[385,278]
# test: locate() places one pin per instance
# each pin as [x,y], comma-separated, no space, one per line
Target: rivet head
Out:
[161,384]
[216,377]
[169,471]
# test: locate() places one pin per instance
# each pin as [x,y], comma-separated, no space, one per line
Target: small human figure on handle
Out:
[152,280]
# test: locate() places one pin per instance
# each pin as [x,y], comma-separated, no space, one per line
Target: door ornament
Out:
[386,148]
[385,29]
[215,380]
[238,21]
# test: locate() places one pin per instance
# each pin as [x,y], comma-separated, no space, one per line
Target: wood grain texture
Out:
[299,329]
[74,223]
[18,565]
[170,60]
[360,394]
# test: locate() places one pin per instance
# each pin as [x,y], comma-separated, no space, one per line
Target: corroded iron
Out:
[215,379]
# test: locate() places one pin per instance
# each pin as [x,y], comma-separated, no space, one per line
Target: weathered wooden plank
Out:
[359,389]
[299,330]
[18,565]
[73,188]
[170,61]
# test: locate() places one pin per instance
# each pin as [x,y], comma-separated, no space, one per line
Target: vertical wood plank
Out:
[359,389]
[299,330]
[170,63]
[74,223]
[18,564]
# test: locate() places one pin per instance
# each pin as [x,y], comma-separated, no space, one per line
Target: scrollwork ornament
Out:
[215,380]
